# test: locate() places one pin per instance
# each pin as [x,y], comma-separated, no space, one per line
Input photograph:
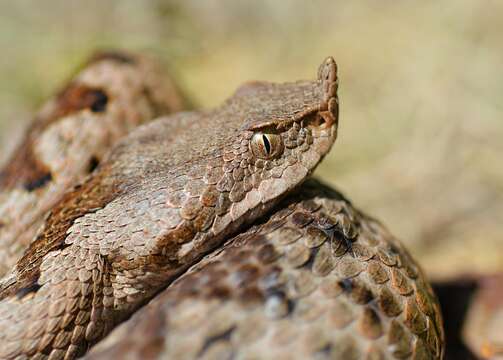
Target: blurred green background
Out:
[421,127]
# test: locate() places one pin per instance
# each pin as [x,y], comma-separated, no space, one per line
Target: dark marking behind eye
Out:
[38,182]
[267,144]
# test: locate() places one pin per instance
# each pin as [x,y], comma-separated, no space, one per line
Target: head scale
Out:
[288,129]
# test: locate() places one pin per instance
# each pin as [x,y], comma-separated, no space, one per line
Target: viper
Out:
[208,212]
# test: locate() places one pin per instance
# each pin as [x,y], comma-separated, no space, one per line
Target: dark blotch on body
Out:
[25,168]
[341,243]
[98,100]
[346,285]
[210,341]
[37,183]
[78,97]
[301,219]
[93,164]
[28,290]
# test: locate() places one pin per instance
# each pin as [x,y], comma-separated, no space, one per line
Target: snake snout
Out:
[329,108]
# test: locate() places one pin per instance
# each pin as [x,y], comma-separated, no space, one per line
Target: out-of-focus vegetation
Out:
[421,128]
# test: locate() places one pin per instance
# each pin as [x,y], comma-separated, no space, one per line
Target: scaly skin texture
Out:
[166,195]
[316,280]
[112,94]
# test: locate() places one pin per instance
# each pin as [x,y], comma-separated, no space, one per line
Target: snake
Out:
[114,92]
[208,213]
[318,279]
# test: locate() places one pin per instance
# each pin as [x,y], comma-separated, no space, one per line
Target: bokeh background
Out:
[421,127]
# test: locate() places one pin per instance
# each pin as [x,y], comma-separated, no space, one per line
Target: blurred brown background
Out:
[421,125]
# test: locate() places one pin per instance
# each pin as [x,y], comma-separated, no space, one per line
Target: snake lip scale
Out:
[166,195]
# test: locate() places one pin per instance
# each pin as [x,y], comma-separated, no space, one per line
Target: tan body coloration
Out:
[111,95]
[168,194]
[483,325]
[317,280]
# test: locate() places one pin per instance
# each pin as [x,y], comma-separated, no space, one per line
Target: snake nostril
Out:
[317,121]
[322,120]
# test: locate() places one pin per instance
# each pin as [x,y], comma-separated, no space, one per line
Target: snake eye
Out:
[266,146]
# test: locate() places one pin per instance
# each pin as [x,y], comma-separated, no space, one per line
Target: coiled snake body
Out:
[181,187]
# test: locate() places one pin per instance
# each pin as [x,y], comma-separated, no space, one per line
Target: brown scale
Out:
[24,168]
[69,136]
[359,307]
[141,219]
[71,207]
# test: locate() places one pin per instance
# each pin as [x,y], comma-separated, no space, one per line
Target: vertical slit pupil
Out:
[267,144]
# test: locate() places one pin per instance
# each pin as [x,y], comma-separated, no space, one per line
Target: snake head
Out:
[288,128]
[184,183]
[230,165]
[166,195]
